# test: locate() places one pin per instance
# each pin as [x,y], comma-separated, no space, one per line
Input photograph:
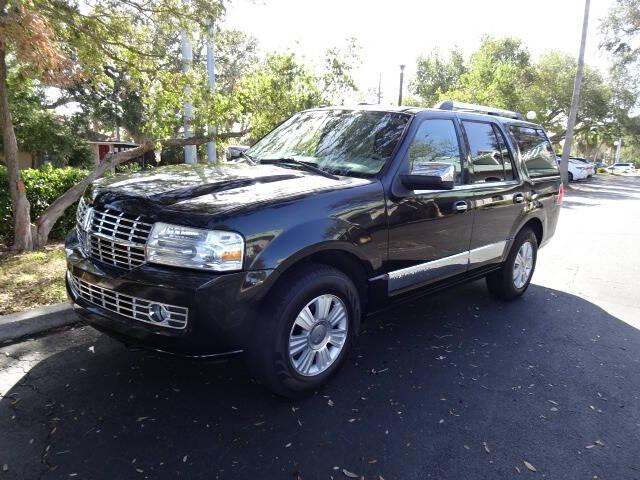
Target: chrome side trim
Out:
[487,252]
[434,270]
[428,272]
[457,259]
[472,186]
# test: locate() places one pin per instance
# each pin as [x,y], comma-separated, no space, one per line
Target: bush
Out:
[43,187]
[602,170]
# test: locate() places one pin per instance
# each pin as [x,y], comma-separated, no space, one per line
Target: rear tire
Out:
[570,177]
[306,331]
[513,279]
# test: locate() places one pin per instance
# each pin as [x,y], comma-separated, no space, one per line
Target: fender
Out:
[310,237]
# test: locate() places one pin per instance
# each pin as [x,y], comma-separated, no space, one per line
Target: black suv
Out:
[332,215]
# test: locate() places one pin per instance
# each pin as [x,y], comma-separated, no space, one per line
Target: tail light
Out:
[560,194]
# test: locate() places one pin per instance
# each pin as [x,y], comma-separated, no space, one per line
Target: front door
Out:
[429,231]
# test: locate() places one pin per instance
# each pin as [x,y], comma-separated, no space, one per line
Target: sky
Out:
[396,32]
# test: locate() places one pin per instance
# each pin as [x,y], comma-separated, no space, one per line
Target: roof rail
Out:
[470,107]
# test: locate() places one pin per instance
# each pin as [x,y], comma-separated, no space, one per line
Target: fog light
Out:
[158,313]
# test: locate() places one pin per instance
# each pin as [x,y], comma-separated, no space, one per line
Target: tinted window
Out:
[436,141]
[344,142]
[486,152]
[507,158]
[536,151]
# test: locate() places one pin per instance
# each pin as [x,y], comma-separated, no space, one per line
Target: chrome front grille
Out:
[119,226]
[112,237]
[115,253]
[131,307]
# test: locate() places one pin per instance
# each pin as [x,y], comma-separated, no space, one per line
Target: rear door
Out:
[429,230]
[499,193]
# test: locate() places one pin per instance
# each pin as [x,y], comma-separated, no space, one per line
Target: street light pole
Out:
[401,82]
[211,75]
[575,99]
[379,87]
[190,152]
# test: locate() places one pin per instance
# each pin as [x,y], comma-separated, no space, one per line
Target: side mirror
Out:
[430,176]
[235,151]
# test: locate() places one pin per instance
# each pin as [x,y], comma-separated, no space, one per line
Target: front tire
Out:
[306,331]
[513,279]
[570,177]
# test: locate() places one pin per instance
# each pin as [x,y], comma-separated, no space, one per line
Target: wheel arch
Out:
[535,224]
[339,258]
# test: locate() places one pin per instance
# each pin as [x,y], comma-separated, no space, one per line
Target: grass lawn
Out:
[31,279]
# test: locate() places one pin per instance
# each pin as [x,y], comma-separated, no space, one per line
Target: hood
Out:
[213,189]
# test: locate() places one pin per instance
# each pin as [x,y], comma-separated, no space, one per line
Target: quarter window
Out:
[487,153]
[536,151]
[436,141]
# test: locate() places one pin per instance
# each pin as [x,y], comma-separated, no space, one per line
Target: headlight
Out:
[195,248]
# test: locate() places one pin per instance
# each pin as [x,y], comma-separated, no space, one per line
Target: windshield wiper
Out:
[306,166]
[248,157]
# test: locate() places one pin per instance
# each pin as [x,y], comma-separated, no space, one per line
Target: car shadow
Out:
[456,385]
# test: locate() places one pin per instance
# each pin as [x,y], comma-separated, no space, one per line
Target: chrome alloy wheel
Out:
[318,335]
[523,265]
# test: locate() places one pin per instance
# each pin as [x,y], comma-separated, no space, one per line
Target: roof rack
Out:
[470,107]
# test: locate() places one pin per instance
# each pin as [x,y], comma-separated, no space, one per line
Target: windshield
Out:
[342,142]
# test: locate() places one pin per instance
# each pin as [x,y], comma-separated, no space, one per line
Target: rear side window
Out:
[488,153]
[536,151]
[436,141]
[507,158]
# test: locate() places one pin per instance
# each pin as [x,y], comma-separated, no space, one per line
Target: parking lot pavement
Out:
[454,386]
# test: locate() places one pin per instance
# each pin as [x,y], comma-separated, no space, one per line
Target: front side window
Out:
[487,155]
[536,151]
[343,142]
[436,141]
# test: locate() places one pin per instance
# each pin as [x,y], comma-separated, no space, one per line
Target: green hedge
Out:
[43,187]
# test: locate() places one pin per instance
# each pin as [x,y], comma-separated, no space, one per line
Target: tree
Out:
[621,29]
[498,74]
[39,131]
[59,43]
[283,85]
[280,87]
[336,81]
[549,95]
[436,75]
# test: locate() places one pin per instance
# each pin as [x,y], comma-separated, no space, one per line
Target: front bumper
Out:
[220,308]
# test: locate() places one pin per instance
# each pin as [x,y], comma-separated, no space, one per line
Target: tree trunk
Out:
[19,203]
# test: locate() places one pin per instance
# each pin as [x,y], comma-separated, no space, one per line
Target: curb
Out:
[36,321]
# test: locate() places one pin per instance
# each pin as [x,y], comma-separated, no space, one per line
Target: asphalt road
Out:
[455,386]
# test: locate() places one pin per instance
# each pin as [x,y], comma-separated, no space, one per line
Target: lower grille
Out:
[128,306]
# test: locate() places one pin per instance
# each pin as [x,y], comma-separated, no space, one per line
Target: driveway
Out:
[455,386]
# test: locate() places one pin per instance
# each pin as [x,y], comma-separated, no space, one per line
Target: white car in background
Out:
[578,170]
[591,171]
[622,167]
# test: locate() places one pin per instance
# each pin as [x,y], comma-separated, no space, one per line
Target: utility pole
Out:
[190,152]
[211,75]
[575,99]
[401,81]
[379,88]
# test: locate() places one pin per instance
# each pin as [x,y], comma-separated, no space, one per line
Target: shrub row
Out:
[43,186]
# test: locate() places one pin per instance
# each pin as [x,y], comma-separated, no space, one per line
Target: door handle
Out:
[460,207]
[518,198]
